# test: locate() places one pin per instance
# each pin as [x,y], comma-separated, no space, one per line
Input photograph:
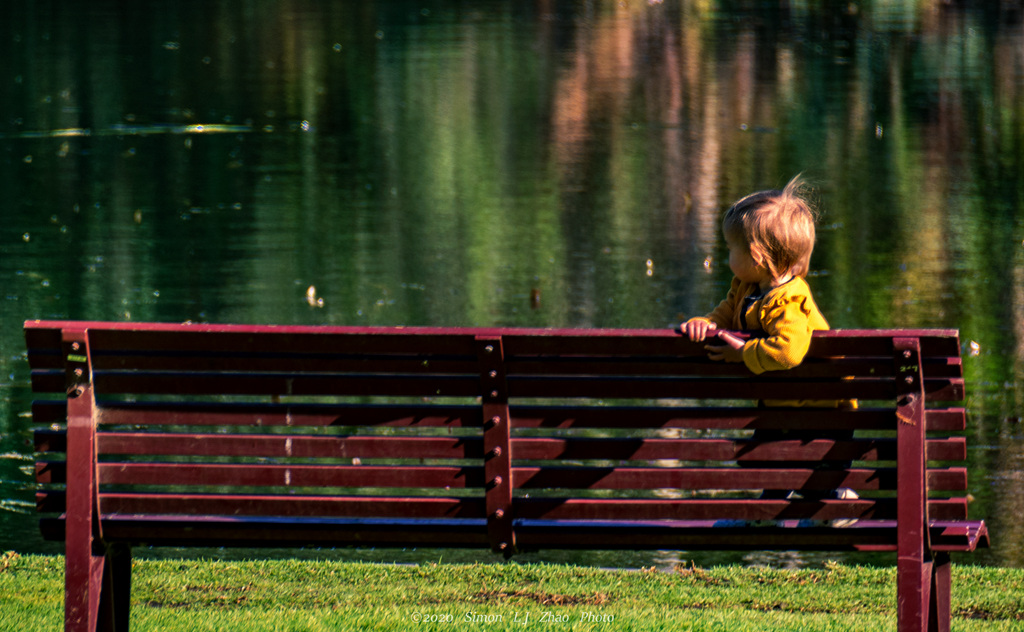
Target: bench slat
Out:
[445,364]
[280,363]
[526,448]
[768,386]
[520,341]
[953,449]
[287,340]
[290,532]
[735,418]
[523,477]
[723,509]
[196,384]
[53,501]
[565,417]
[289,446]
[700,535]
[305,506]
[692,535]
[254,475]
[413,385]
[555,477]
[701,366]
[848,342]
[214,414]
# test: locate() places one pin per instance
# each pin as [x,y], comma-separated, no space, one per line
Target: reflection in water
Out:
[541,164]
[137,130]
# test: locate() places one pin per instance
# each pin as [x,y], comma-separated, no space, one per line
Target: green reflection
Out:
[536,164]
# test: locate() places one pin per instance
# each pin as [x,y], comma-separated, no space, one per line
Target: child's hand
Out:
[731,351]
[697,328]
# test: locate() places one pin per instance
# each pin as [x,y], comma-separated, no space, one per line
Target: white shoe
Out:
[844,493]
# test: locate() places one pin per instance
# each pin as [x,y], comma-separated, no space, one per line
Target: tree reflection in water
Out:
[448,164]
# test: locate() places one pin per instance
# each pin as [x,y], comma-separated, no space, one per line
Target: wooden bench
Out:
[508,439]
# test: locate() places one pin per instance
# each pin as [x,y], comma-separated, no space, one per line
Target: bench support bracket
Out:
[922,580]
[497,444]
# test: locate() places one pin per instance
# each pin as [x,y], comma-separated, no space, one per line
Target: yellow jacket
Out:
[787,314]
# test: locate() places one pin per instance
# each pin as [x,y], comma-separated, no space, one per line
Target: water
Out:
[508,163]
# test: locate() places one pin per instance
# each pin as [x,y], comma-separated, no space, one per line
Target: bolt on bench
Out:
[508,439]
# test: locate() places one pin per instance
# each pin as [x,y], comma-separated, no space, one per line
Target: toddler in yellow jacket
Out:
[770,236]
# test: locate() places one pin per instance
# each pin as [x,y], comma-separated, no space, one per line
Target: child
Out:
[770,236]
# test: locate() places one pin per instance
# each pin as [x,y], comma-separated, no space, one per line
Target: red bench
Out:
[508,439]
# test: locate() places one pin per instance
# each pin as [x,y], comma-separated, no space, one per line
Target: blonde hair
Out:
[778,226]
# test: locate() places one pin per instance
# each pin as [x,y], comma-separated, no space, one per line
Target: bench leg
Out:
[83,577]
[938,620]
[923,590]
[97,590]
[913,594]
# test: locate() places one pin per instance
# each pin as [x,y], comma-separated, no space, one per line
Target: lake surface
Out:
[510,163]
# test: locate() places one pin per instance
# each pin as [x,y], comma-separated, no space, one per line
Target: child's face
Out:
[741,262]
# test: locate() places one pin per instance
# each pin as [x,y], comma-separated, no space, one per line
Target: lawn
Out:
[286,595]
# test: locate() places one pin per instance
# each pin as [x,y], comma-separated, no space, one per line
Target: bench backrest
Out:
[475,431]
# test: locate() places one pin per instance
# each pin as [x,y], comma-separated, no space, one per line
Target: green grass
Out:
[303,595]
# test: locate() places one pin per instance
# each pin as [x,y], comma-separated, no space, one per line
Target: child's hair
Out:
[777,224]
